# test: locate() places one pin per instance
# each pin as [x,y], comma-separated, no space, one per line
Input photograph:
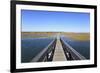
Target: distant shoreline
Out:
[72,35]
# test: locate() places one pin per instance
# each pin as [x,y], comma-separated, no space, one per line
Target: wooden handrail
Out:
[70,52]
[44,52]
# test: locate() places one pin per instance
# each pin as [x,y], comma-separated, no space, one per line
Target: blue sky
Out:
[49,21]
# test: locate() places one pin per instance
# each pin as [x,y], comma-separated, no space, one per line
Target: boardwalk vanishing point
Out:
[59,52]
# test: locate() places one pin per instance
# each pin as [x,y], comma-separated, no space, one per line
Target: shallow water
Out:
[31,47]
[82,47]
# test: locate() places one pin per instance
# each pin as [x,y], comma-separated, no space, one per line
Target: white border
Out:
[20,65]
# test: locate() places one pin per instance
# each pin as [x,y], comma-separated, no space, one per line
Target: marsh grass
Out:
[78,36]
[71,35]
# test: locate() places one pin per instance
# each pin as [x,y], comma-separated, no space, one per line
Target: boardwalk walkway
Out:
[59,52]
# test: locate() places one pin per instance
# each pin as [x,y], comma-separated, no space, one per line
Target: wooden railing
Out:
[71,53]
[46,54]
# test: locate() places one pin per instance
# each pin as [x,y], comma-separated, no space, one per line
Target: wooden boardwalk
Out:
[59,52]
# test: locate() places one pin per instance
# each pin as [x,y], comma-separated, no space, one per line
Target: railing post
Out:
[51,53]
[67,53]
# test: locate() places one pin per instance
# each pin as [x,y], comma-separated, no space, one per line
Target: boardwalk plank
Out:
[59,52]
